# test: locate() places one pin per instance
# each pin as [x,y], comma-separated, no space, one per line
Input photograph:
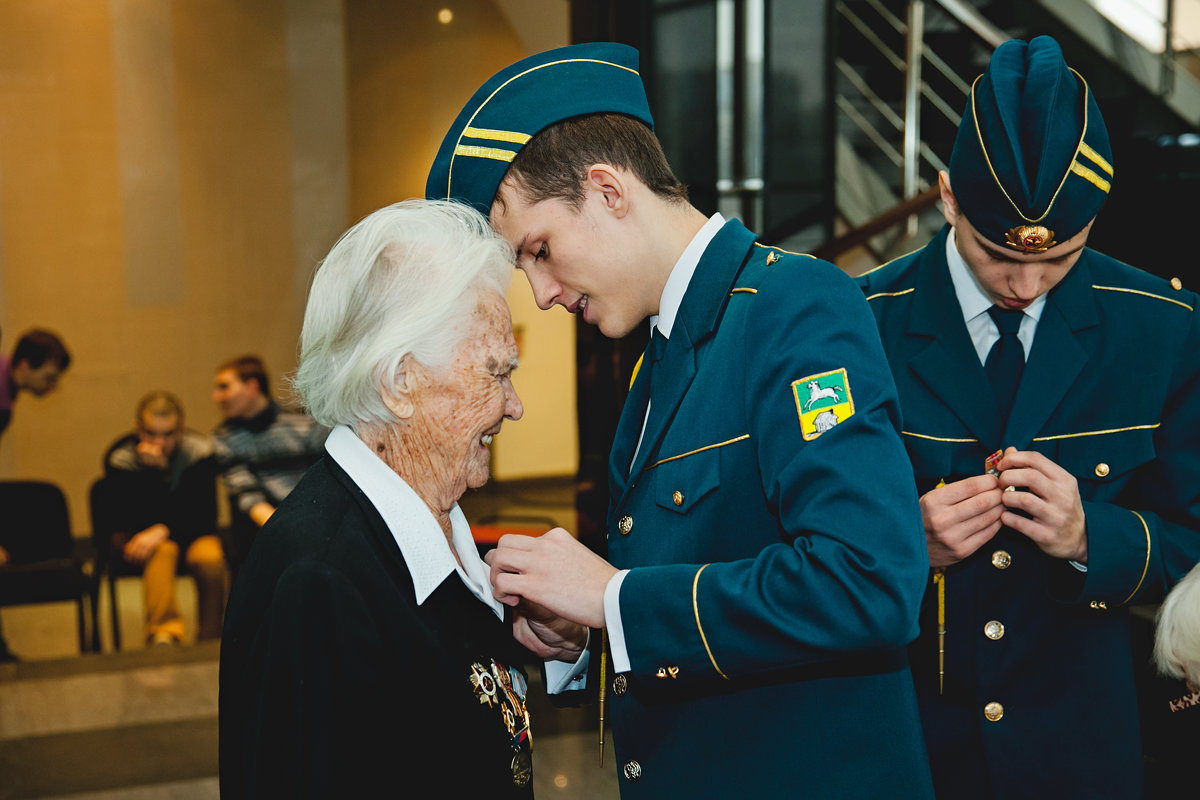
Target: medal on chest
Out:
[503,689]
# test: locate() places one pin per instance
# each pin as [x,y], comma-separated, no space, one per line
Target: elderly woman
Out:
[363,652]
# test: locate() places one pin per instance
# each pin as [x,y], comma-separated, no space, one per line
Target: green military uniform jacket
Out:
[777,554]
[1039,696]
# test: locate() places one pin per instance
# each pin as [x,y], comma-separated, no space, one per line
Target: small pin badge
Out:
[1029,238]
[772,257]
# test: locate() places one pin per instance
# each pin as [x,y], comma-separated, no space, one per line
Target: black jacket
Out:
[335,683]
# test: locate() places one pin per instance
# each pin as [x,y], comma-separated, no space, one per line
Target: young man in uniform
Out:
[767,556]
[1006,333]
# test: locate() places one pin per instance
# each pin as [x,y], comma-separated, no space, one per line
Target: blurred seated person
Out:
[157,503]
[363,647]
[262,449]
[38,361]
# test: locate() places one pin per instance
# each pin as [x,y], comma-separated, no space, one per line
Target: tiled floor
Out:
[142,724]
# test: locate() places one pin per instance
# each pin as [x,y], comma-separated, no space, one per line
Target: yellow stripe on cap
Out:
[485,152]
[1095,158]
[458,149]
[1090,176]
[516,137]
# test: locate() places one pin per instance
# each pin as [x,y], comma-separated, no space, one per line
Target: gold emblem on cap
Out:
[1030,238]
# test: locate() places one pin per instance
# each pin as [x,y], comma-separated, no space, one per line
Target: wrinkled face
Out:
[574,259]
[1012,279]
[459,406]
[236,397]
[39,381]
[159,435]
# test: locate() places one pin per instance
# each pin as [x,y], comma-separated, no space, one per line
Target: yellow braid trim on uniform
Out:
[636,368]
[1143,294]
[1146,566]
[700,450]
[781,250]
[884,264]
[890,294]
[699,627]
[1148,427]
[935,438]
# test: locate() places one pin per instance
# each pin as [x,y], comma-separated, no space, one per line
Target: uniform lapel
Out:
[628,428]
[1057,356]
[949,366]
[703,302]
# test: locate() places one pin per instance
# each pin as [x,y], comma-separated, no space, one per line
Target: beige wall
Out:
[172,170]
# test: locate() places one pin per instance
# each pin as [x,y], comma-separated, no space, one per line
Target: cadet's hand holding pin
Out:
[1053,511]
[553,570]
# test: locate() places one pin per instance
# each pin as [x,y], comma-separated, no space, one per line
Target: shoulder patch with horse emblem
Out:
[823,401]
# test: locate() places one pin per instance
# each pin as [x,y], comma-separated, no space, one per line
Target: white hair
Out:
[1177,637]
[400,282]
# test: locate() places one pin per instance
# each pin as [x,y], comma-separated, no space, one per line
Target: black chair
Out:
[109,558]
[47,564]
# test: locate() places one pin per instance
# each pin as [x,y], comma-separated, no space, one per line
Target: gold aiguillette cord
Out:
[603,686]
[939,577]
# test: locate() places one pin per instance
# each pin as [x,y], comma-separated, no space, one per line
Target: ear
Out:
[398,397]
[949,204]
[610,185]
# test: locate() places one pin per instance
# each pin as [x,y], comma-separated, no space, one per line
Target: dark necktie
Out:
[1006,360]
[658,346]
[654,353]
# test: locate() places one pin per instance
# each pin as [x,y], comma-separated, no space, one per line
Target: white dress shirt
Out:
[423,544]
[975,303]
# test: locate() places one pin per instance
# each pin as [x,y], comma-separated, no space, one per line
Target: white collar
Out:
[422,543]
[971,298]
[681,275]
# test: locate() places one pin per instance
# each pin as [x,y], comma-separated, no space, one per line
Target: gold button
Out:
[620,685]
[993,711]
[633,770]
[677,498]
[625,525]
[1001,559]
[994,630]
[1101,469]
[1176,283]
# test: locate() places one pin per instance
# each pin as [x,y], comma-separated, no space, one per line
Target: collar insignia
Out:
[1029,238]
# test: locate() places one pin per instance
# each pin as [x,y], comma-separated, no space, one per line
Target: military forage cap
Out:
[1032,164]
[521,100]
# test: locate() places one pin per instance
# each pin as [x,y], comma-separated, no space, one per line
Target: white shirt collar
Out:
[971,298]
[681,275]
[422,543]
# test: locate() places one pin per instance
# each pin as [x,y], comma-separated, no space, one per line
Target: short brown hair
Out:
[248,367]
[554,164]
